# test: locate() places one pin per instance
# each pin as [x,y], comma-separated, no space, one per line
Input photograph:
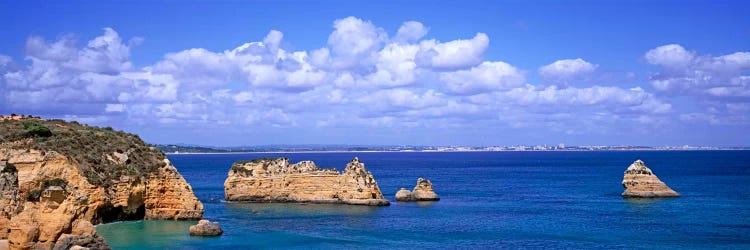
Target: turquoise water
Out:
[489,200]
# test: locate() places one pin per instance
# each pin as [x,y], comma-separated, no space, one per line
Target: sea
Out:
[489,200]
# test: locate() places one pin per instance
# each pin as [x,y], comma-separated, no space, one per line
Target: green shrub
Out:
[85,145]
[243,162]
[36,129]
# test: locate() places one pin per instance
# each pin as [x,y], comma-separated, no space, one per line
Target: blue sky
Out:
[415,72]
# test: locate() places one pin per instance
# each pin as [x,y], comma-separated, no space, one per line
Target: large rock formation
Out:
[421,192]
[640,182]
[276,180]
[55,185]
[206,228]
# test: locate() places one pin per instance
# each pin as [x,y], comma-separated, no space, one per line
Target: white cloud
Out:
[114,107]
[562,71]
[456,54]
[486,77]
[150,87]
[410,31]
[671,55]
[684,73]
[619,100]
[198,68]
[354,42]
[105,54]
[397,99]
[62,50]
[5,60]
[395,66]
[64,77]
[273,117]
[243,97]
[361,75]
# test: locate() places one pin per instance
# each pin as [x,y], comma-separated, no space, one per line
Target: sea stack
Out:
[640,182]
[421,192]
[58,179]
[276,180]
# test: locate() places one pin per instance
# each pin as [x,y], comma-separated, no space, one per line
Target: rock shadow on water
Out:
[298,209]
[425,204]
[644,201]
[644,205]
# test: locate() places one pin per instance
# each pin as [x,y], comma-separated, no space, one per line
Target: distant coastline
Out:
[441,151]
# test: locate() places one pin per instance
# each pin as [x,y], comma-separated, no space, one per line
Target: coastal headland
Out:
[58,179]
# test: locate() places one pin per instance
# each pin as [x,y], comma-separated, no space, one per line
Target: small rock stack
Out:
[640,182]
[421,192]
[206,228]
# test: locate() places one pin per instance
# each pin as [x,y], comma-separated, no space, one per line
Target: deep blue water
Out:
[489,200]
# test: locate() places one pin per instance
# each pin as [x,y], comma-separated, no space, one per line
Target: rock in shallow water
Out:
[422,192]
[640,182]
[206,228]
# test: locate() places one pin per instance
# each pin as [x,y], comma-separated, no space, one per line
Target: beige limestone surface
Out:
[276,180]
[640,182]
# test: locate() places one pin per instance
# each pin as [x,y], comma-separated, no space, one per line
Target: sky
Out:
[227,73]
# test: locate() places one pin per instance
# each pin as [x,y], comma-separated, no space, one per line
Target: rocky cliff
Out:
[276,180]
[55,185]
[640,182]
[421,192]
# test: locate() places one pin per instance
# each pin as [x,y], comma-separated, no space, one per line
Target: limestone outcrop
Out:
[421,192]
[276,180]
[206,228]
[54,188]
[640,182]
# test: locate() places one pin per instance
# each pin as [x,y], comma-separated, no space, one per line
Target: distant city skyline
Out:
[470,73]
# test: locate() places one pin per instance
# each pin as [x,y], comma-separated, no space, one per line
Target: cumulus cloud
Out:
[615,99]
[395,67]
[105,54]
[362,73]
[486,77]
[354,42]
[410,31]
[719,84]
[671,55]
[65,80]
[197,68]
[685,73]
[456,54]
[563,71]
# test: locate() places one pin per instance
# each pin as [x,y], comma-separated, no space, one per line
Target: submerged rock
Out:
[640,182]
[206,228]
[422,192]
[53,190]
[276,180]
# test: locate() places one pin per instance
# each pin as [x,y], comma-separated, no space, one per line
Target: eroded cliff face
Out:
[276,180]
[640,182]
[50,200]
